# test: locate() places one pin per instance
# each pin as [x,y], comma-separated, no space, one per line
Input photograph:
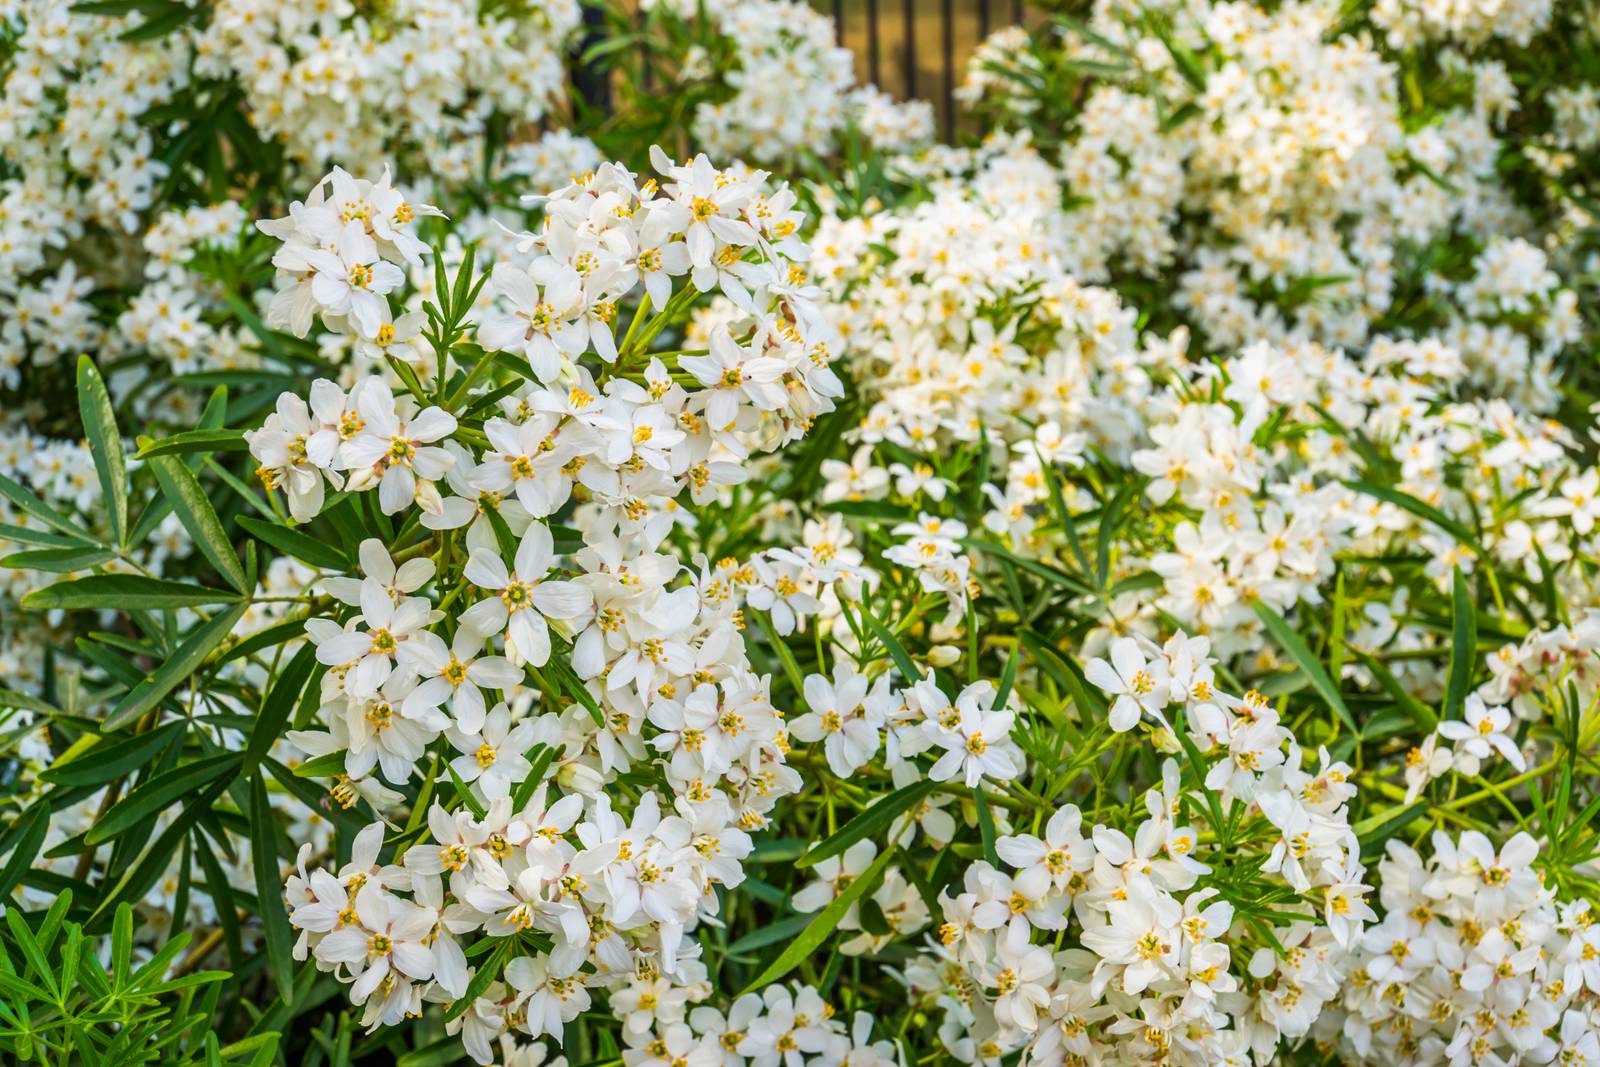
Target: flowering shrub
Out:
[1121,591]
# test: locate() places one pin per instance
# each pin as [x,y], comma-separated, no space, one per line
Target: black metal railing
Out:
[917,50]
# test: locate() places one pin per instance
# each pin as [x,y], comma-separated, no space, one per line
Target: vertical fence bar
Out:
[947,59]
[647,74]
[983,19]
[872,42]
[589,82]
[909,8]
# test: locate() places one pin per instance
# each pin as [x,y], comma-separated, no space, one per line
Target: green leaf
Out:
[560,668]
[481,979]
[105,444]
[24,498]
[177,668]
[1463,645]
[28,535]
[58,560]
[124,592]
[878,817]
[159,792]
[986,827]
[1373,831]
[826,920]
[194,510]
[892,646]
[1295,647]
[301,546]
[27,848]
[1032,566]
[1421,510]
[769,934]
[1008,678]
[1420,713]
[11,699]
[193,441]
[465,793]
[114,756]
[269,890]
[278,703]
[330,765]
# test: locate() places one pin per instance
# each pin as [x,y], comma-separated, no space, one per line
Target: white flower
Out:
[1484,729]
[523,599]
[976,741]
[493,757]
[842,719]
[397,453]
[351,279]
[1139,684]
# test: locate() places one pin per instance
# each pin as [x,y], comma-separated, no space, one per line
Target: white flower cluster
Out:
[168,318]
[1169,970]
[1412,22]
[80,177]
[1269,160]
[335,84]
[589,895]
[791,90]
[1475,961]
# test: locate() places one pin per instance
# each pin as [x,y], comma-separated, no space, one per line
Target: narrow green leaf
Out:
[560,669]
[892,646]
[193,441]
[1295,646]
[29,502]
[58,560]
[124,592]
[269,890]
[158,793]
[105,444]
[873,820]
[327,766]
[464,791]
[31,535]
[114,756]
[1421,714]
[1421,510]
[769,934]
[820,927]
[27,849]
[986,826]
[194,510]
[481,979]
[279,702]
[1374,831]
[301,546]
[1463,645]
[176,668]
